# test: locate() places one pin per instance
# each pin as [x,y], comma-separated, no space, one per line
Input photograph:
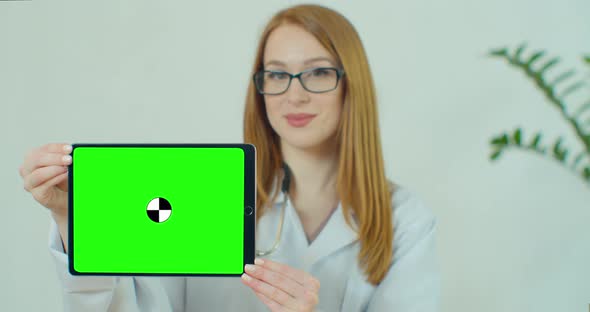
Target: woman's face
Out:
[301,118]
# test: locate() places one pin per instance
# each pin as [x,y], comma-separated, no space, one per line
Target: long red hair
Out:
[361,184]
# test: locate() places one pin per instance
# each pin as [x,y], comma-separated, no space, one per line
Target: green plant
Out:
[536,68]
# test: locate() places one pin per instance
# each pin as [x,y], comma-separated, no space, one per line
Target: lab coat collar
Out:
[335,235]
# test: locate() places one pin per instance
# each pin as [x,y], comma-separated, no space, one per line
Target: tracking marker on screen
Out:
[159,210]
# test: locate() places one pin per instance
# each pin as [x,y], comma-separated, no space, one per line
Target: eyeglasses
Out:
[315,80]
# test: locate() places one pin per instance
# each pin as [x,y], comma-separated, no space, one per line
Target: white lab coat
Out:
[412,283]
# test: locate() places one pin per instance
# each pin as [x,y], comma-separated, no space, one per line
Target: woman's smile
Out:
[299,120]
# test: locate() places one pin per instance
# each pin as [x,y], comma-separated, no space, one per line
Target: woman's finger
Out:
[268,290]
[299,276]
[53,181]
[63,184]
[38,159]
[42,175]
[57,148]
[44,195]
[271,304]
[310,297]
[278,280]
[50,159]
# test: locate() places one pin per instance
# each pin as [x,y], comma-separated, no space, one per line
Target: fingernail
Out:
[67,158]
[246,277]
[250,268]
[259,261]
[67,148]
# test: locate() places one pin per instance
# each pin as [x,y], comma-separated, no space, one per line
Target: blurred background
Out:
[514,235]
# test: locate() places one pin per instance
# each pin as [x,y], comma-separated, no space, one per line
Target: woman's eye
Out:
[320,72]
[277,75]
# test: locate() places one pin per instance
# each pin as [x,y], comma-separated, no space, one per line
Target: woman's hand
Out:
[45,176]
[281,287]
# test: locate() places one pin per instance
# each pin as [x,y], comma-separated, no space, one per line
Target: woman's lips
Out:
[299,120]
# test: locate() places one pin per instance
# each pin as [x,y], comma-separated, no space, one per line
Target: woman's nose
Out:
[296,92]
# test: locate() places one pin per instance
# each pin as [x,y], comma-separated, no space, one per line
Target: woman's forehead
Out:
[290,45]
[321,60]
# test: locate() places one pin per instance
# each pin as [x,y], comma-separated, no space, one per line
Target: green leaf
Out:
[517,136]
[499,52]
[500,140]
[564,154]
[563,77]
[519,50]
[572,88]
[586,173]
[557,151]
[496,154]
[536,141]
[535,57]
[587,59]
[548,65]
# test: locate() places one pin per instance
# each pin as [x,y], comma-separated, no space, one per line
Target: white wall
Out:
[513,235]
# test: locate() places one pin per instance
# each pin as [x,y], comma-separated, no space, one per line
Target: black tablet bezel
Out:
[249,201]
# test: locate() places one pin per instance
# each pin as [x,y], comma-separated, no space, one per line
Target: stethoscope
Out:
[285,191]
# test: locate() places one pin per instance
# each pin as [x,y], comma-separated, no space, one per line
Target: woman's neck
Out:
[313,171]
[313,191]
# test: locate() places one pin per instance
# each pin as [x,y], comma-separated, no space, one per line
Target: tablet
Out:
[161,209]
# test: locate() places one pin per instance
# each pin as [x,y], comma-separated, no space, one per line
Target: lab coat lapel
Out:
[335,235]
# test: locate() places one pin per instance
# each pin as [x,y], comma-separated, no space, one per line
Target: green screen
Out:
[112,232]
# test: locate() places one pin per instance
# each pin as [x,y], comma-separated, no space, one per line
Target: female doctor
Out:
[333,233]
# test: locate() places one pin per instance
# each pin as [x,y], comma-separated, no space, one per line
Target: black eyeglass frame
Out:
[339,73]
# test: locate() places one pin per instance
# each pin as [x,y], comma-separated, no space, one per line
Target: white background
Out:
[513,235]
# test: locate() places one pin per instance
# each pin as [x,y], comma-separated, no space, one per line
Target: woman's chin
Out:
[304,142]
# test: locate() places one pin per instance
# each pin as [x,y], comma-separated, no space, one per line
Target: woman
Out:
[351,241]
